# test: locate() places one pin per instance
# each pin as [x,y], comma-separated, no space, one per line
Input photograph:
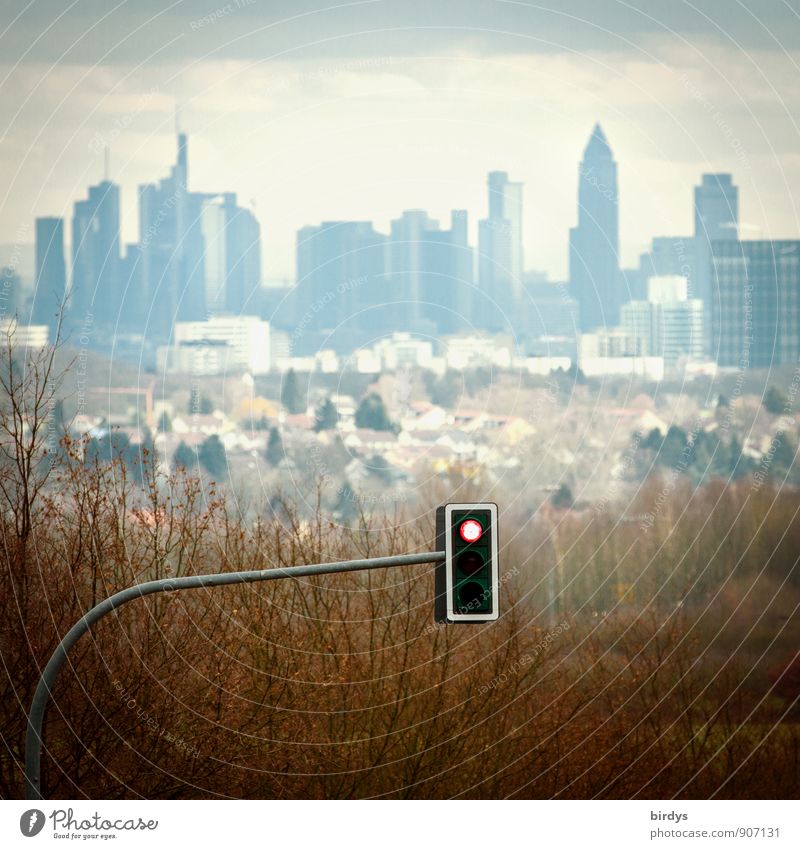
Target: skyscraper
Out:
[200,251]
[594,274]
[430,273]
[164,216]
[716,219]
[716,208]
[51,274]
[132,310]
[406,262]
[341,278]
[756,304]
[243,255]
[500,263]
[95,289]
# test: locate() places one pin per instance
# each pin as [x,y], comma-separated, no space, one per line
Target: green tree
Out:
[347,504]
[141,456]
[575,374]
[477,379]
[707,453]
[274,453]
[106,448]
[672,452]
[653,441]
[562,498]
[446,391]
[371,414]
[738,464]
[291,396]
[184,457]
[783,456]
[327,416]
[774,401]
[164,423]
[212,456]
[380,468]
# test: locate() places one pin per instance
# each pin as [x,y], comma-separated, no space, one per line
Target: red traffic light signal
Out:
[471,530]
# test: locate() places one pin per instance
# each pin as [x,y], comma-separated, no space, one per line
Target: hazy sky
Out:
[359,110]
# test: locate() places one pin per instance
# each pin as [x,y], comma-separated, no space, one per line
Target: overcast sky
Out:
[359,110]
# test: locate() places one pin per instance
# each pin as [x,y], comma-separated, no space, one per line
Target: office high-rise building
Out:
[51,273]
[668,324]
[716,219]
[215,255]
[164,217]
[447,286]
[594,274]
[637,319]
[132,311]
[406,266]
[341,278]
[95,289]
[243,250]
[716,208]
[430,273]
[500,255]
[680,328]
[669,255]
[756,303]
[200,251]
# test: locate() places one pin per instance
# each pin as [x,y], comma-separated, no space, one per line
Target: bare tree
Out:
[29,384]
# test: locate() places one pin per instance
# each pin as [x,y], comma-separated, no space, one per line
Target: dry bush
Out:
[627,662]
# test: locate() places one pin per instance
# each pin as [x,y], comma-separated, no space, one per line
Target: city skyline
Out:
[307,135]
[131,225]
[198,256]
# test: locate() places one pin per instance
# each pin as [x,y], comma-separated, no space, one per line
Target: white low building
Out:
[668,324]
[651,368]
[326,361]
[366,361]
[402,350]
[546,365]
[463,352]
[202,358]
[221,344]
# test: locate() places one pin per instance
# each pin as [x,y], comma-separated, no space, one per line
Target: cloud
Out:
[91,31]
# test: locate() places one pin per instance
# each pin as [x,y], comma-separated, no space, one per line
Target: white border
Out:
[495,562]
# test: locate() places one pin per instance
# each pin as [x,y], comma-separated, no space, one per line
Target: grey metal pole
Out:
[33,740]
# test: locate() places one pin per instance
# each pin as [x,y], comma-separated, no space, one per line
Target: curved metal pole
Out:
[33,740]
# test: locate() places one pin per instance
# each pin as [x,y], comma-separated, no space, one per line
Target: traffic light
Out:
[468,581]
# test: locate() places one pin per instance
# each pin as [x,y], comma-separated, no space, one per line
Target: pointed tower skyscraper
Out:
[594,274]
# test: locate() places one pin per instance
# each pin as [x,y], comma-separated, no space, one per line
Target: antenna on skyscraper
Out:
[177,118]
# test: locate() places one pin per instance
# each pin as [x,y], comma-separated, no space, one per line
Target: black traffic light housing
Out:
[468,581]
